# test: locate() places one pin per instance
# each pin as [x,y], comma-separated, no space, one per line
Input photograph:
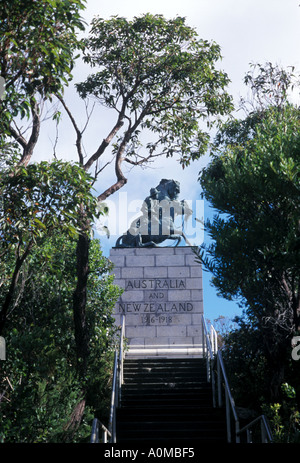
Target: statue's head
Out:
[168,189]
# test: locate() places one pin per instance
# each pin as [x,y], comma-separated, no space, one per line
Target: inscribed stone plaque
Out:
[162,300]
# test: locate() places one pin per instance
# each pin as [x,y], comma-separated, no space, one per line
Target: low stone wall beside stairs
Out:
[162,300]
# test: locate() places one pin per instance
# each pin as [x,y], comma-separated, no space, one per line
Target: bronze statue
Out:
[156,223]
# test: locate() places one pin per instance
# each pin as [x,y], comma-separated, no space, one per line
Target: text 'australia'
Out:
[155,283]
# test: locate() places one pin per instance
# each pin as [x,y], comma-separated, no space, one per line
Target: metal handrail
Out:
[209,354]
[117,382]
[113,400]
[121,357]
[266,434]
[95,432]
[229,401]
[214,356]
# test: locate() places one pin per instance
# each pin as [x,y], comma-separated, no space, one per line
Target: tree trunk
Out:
[79,303]
[10,294]
[74,421]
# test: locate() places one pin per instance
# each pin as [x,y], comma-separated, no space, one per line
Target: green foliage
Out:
[254,253]
[37,201]
[43,197]
[37,44]
[250,374]
[284,417]
[246,365]
[39,379]
[160,77]
[252,182]
[42,205]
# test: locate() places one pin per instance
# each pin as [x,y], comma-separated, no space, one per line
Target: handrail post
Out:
[219,382]
[104,436]
[249,436]
[228,421]
[113,398]
[213,340]
[208,365]
[263,432]
[237,431]
[213,383]
[95,432]
[121,357]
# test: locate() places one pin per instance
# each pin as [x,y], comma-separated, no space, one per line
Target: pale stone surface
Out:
[140,261]
[131,272]
[131,331]
[179,295]
[156,272]
[133,296]
[162,300]
[190,260]
[193,283]
[196,271]
[169,260]
[178,272]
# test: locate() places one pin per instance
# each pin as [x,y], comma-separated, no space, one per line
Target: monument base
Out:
[162,301]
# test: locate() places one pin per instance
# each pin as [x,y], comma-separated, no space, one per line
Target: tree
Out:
[158,77]
[253,183]
[40,387]
[37,44]
[38,201]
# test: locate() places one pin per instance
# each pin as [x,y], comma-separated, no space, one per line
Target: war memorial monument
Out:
[163,298]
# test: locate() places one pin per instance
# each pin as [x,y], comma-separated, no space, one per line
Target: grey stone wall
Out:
[162,300]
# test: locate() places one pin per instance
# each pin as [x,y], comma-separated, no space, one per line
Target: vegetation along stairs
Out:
[167,400]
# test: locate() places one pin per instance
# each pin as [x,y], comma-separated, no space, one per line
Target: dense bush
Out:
[40,390]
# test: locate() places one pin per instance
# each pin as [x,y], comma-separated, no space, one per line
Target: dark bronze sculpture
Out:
[156,223]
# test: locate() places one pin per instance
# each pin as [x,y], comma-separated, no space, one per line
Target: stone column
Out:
[162,300]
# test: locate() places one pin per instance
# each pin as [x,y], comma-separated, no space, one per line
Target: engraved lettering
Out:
[136,307]
[155,284]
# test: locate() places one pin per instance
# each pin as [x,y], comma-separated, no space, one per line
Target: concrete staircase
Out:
[168,400]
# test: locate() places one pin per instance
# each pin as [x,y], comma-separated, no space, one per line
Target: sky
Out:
[248,31]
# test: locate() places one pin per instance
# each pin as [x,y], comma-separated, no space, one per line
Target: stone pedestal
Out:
[162,300]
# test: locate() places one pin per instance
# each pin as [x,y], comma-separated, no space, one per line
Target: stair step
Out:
[160,400]
[135,427]
[177,433]
[182,386]
[193,413]
[172,441]
[158,369]
[170,394]
[167,399]
[159,378]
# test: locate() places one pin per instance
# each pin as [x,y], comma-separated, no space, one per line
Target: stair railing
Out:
[96,426]
[209,355]
[229,401]
[117,382]
[266,434]
[214,358]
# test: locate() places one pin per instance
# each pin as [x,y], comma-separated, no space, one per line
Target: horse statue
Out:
[156,222]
